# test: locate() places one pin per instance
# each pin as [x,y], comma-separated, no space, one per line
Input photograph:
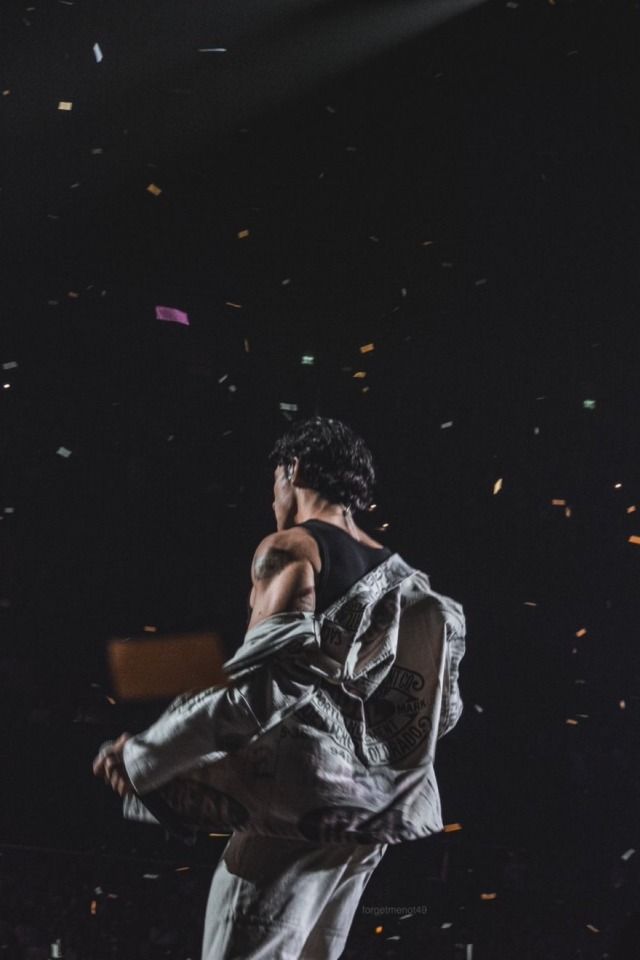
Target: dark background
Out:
[457,184]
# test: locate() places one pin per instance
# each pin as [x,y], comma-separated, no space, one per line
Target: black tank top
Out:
[344,560]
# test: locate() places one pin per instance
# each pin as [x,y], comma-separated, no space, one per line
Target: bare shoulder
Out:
[284,547]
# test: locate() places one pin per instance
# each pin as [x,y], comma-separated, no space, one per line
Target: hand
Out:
[110,766]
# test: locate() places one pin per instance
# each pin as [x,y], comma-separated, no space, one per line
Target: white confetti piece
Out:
[479,708]
[9,510]
[63,452]
[445,926]
[285,283]
[628,854]
[6,386]
[289,407]
[97,52]
[65,105]
[497,487]
[150,876]
[330,109]
[10,365]
[447,425]
[212,50]
[172,315]
[482,282]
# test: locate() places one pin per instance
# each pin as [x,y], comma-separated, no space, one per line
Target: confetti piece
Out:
[9,510]
[593,929]
[111,701]
[5,93]
[589,404]
[634,539]
[94,908]
[154,189]
[452,827]
[367,347]
[172,315]
[530,603]
[366,389]
[97,52]
[150,876]
[631,509]
[374,239]
[330,109]
[427,243]
[379,930]
[219,834]
[243,234]
[236,306]
[558,503]
[291,407]
[617,486]
[445,926]
[628,854]
[360,374]
[65,105]
[307,360]
[482,282]
[581,632]
[445,426]
[285,283]
[622,704]
[536,431]
[11,365]
[232,388]
[372,507]
[567,511]
[488,896]
[212,49]
[182,869]
[246,346]
[512,6]
[572,723]
[478,708]
[6,386]
[63,452]
[150,629]
[224,377]
[497,487]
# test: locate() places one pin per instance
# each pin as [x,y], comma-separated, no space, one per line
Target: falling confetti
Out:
[172,315]
[154,189]
[63,452]
[589,404]
[558,503]
[367,348]
[634,539]
[582,632]
[307,360]
[65,105]
[360,374]
[445,426]
[497,487]
[11,365]
[97,52]
[243,234]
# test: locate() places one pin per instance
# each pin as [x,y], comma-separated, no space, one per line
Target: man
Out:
[320,751]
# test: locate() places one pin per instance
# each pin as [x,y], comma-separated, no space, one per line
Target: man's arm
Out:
[283,579]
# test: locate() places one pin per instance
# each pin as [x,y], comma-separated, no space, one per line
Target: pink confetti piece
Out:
[172,315]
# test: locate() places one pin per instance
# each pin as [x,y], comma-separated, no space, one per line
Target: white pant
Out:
[274,899]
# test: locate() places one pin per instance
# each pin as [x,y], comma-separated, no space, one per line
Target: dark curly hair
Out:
[334,460]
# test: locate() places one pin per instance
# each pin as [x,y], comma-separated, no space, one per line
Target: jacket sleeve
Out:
[205,728]
[452,705]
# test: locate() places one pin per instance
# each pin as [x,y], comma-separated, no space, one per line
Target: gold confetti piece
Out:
[150,629]
[94,908]
[572,723]
[246,346]
[581,632]
[65,105]
[567,511]
[366,389]
[497,487]
[593,929]
[243,234]
[452,827]
[367,348]
[236,306]
[558,503]
[154,189]
[631,509]
[634,539]
[488,896]
[379,930]
[360,374]
[73,295]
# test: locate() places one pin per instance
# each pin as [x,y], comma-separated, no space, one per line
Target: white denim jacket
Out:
[328,731]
